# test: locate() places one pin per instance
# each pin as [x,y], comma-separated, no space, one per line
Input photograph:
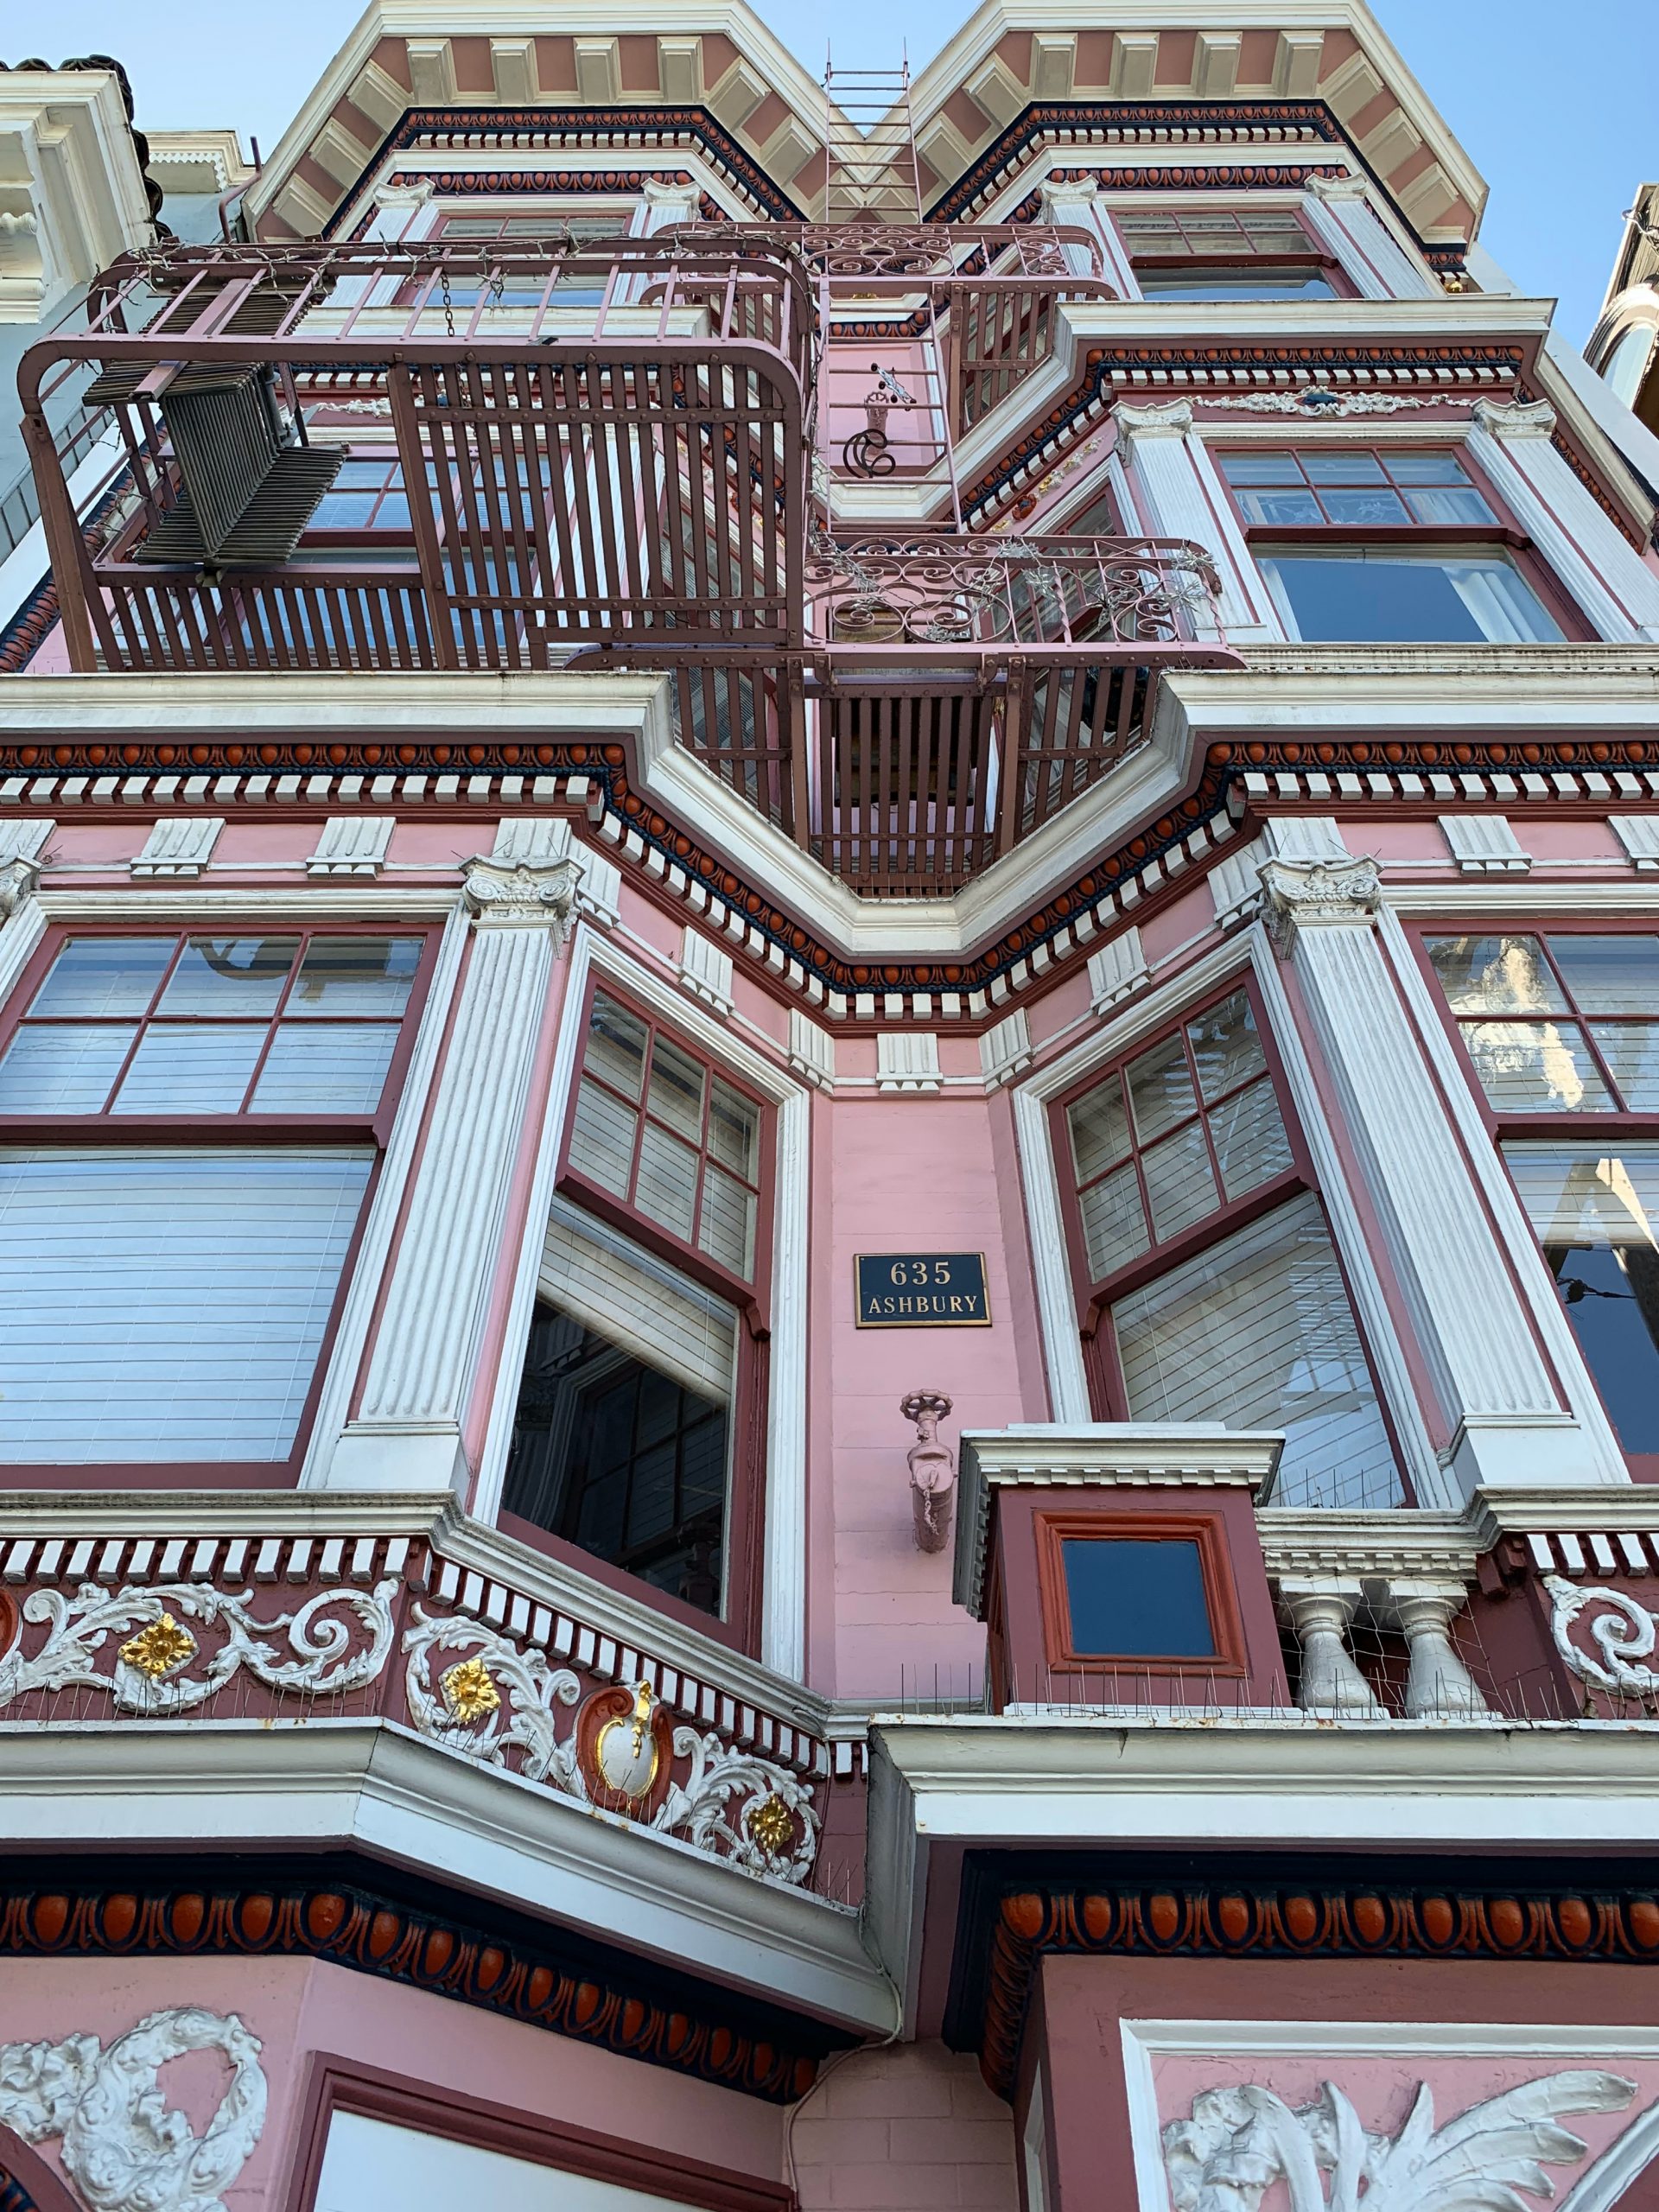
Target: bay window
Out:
[1208,1282]
[1389,546]
[638,1438]
[1561,1031]
[1198,252]
[190,1124]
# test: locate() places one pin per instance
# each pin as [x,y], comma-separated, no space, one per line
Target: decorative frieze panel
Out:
[1607,1638]
[1239,2141]
[248,1628]
[481,1694]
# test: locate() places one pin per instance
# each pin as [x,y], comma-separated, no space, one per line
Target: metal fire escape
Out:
[602,455]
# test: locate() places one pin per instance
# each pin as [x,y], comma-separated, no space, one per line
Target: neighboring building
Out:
[1624,346]
[829,1144]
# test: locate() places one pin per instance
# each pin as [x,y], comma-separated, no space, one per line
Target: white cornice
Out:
[984,30]
[428,19]
[326,1784]
[1235,1781]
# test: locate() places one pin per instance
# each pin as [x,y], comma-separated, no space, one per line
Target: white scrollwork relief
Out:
[1319,400]
[505,1706]
[1623,1635]
[509,1702]
[1240,2142]
[161,1666]
[122,2146]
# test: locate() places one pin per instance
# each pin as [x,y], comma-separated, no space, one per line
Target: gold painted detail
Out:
[771,1824]
[625,1751]
[159,1649]
[469,1690]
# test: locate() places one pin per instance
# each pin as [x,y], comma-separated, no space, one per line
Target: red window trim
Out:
[1505,531]
[71,1133]
[1567,1126]
[739,1627]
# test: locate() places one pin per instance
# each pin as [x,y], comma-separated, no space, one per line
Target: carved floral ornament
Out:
[122,2147]
[1239,2142]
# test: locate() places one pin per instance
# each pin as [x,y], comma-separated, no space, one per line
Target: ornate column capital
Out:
[1166,418]
[1070,187]
[18,878]
[1516,418]
[1336,188]
[519,893]
[1315,894]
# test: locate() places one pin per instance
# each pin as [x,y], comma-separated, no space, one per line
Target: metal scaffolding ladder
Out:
[872,180]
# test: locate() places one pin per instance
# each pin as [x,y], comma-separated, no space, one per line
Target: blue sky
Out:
[1562,125]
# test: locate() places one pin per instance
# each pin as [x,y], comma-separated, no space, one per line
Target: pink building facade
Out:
[829,1144]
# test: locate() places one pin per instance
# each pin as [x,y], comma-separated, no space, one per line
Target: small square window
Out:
[1137,1598]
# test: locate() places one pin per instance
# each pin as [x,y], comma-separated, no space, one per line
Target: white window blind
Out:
[622,1293]
[1257,1332]
[166,1303]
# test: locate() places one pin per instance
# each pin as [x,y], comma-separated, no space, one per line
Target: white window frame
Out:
[783,1607]
[1247,954]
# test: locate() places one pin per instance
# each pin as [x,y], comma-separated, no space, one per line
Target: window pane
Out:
[1291,507]
[1180,1182]
[1595,1217]
[1494,974]
[1457,503]
[734,1131]
[676,1084]
[616,1046]
[1248,1134]
[1339,465]
[1427,469]
[102,975]
[1225,1047]
[1387,597]
[62,1067]
[1610,974]
[1100,1128]
[1540,1067]
[667,1189]
[728,1230]
[1380,509]
[1114,1224]
[167,1305]
[355,975]
[237,976]
[602,1137]
[1160,1089]
[1260,467]
[1266,283]
[1631,1051]
[336,1068]
[182,1069]
[1133,1599]
[1258,1332]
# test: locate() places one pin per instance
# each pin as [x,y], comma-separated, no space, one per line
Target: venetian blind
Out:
[1257,1331]
[166,1304]
[625,1295]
